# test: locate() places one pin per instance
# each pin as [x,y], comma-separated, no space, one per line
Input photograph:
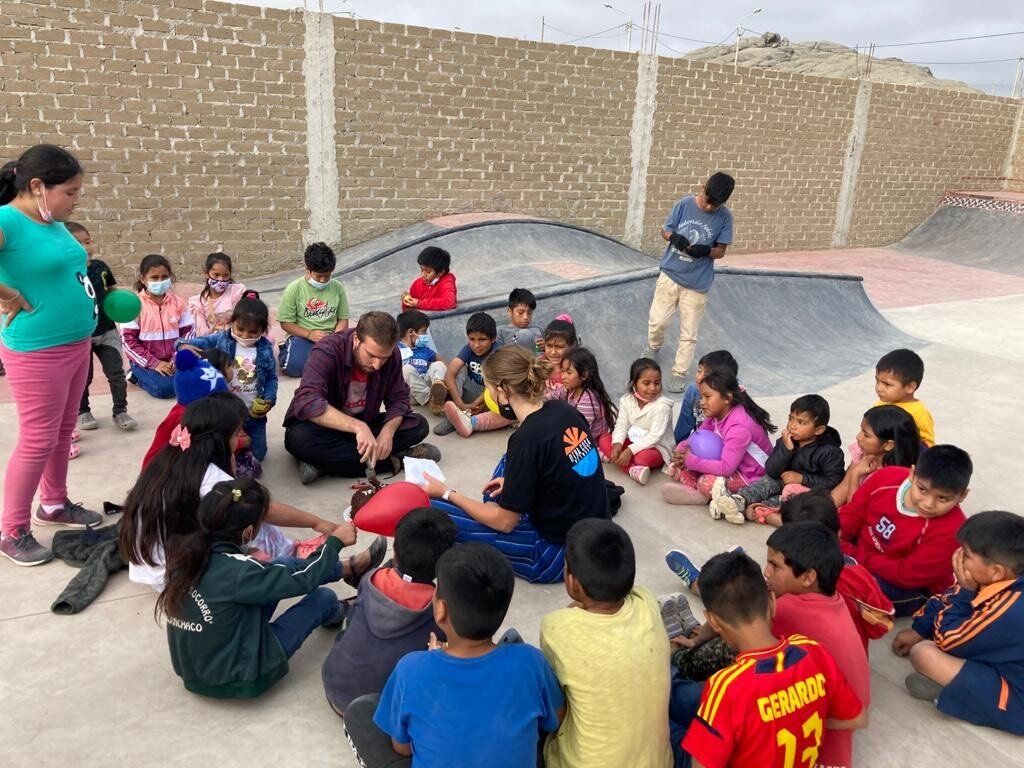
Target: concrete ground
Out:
[97,688]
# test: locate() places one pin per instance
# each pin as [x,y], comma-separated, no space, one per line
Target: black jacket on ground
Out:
[821,463]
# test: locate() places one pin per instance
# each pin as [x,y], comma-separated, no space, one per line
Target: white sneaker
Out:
[640,474]
[459,419]
[676,384]
[729,507]
[86,421]
[718,489]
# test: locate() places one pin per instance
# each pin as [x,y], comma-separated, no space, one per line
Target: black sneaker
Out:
[443,427]
[23,549]
[72,515]
[921,687]
[423,451]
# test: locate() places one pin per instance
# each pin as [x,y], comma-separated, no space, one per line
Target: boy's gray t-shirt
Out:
[530,337]
[700,228]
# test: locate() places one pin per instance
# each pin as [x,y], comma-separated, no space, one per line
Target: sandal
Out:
[74,451]
[378,550]
[758,513]
[75,436]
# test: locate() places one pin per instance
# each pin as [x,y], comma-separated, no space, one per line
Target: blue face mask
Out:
[159,287]
[423,342]
[316,284]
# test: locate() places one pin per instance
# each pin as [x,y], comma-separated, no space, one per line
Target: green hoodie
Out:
[221,646]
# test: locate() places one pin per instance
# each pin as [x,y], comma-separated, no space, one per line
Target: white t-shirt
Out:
[153,575]
[244,382]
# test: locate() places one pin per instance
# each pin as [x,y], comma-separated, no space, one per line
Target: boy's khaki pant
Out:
[419,386]
[669,297]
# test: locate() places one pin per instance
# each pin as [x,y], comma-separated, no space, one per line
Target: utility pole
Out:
[1018,79]
[542,29]
[739,34]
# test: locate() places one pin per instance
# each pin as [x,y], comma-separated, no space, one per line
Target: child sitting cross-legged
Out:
[642,438]
[771,704]
[422,369]
[219,602]
[808,455]
[966,644]
[434,290]
[691,415]
[583,388]
[610,645]
[465,412]
[888,437]
[520,329]
[468,702]
[392,614]
[743,427]
[901,525]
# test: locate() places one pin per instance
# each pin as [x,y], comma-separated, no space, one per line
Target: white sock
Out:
[51,508]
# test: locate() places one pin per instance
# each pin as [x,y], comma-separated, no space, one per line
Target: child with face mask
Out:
[252,358]
[312,308]
[149,340]
[211,308]
[435,289]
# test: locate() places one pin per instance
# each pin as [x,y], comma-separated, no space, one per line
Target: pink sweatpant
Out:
[47,386]
[648,457]
[703,483]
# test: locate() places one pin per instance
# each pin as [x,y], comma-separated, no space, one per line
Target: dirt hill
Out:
[823,58]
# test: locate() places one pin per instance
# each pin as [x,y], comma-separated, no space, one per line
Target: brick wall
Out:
[781,135]
[189,117]
[432,122]
[920,143]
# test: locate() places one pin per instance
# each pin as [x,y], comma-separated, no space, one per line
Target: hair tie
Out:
[181,438]
[236,494]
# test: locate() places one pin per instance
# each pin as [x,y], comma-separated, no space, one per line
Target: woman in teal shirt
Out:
[47,314]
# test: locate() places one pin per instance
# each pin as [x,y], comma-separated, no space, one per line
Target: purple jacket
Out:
[326,377]
[746,447]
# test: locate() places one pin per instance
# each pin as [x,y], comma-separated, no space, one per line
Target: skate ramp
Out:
[982,231]
[792,332]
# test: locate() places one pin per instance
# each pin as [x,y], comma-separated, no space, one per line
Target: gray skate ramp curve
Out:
[973,232]
[792,333]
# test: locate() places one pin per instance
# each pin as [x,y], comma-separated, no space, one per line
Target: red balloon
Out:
[388,506]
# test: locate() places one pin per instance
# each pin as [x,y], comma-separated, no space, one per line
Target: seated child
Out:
[901,525]
[219,602]
[106,341]
[898,376]
[252,357]
[802,572]
[506,691]
[213,306]
[610,644]
[559,337]
[312,308]
[149,340]
[585,390]
[888,437]
[642,438]
[743,426]
[434,289]
[521,306]
[809,454]
[741,718]
[392,615]
[966,643]
[194,378]
[422,369]
[465,412]
[691,415]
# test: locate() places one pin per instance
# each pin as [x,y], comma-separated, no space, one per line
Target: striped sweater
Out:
[149,339]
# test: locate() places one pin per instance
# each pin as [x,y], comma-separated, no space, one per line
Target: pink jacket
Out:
[745,451]
[214,312]
[149,339]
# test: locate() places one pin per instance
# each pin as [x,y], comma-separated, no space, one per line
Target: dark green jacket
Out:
[221,645]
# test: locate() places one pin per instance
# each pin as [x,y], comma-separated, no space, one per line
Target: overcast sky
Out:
[850,23]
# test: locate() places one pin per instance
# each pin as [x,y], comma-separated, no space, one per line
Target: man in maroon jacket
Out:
[335,426]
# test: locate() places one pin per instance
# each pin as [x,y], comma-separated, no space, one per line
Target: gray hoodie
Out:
[379,632]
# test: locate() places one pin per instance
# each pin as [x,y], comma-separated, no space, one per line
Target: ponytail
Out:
[585,363]
[727,385]
[517,370]
[49,163]
[224,514]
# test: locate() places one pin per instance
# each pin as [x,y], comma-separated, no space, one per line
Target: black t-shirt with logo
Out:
[102,280]
[553,472]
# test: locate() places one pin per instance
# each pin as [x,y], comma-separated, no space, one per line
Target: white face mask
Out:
[159,287]
[44,209]
[316,284]
[243,342]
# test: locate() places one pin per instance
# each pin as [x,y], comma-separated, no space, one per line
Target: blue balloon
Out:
[705,444]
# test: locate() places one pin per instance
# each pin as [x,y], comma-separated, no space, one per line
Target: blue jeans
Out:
[256,429]
[154,383]
[683,703]
[293,356]
[297,623]
[905,601]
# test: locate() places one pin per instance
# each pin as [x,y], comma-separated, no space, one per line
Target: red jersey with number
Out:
[768,710]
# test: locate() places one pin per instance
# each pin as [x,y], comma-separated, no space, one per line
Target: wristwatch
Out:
[447,495]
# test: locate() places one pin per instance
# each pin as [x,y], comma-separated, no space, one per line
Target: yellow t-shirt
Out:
[615,674]
[922,417]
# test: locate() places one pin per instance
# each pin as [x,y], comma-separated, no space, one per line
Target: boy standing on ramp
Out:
[698,231]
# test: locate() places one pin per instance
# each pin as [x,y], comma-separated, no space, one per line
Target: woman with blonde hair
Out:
[550,477]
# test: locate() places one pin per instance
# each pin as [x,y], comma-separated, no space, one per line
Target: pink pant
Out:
[648,457]
[47,386]
[703,483]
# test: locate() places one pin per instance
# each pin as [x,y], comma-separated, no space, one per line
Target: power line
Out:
[585,37]
[950,40]
[958,63]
